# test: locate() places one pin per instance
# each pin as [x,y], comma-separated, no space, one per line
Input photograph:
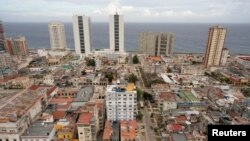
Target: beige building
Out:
[18,112]
[215,44]
[57,36]
[5,60]
[20,46]
[224,55]
[20,82]
[156,44]
[86,127]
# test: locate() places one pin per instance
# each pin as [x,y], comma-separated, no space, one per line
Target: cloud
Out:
[134,10]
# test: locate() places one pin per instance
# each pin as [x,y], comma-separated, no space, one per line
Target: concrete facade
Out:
[116,33]
[215,44]
[156,44]
[82,34]
[121,102]
[57,36]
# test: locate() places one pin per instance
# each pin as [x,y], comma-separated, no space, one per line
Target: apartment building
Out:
[86,127]
[121,102]
[156,44]
[215,45]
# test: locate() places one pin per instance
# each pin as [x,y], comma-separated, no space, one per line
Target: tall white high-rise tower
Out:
[81,28]
[116,33]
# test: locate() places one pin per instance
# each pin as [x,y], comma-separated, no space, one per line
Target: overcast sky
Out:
[184,11]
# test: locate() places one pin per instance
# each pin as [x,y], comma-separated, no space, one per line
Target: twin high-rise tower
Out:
[116,33]
[82,34]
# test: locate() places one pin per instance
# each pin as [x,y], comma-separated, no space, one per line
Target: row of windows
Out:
[7,140]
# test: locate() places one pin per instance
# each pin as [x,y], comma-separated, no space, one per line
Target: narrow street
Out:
[150,135]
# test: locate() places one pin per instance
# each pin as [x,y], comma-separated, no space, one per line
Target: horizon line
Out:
[133,22]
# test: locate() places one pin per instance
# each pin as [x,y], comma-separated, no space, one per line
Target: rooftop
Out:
[85,94]
[128,130]
[17,104]
[245,58]
[39,128]
[188,96]
[107,131]
[167,96]
[61,100]
[154,58]
[85,118]
[121,88]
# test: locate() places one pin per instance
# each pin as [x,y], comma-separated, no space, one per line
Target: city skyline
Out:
[180,11]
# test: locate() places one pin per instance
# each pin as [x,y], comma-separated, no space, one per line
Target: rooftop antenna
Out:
[116,11]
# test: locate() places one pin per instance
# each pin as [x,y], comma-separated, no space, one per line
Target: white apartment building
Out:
[121,102]
[116,33]
[82,37]
[57,36]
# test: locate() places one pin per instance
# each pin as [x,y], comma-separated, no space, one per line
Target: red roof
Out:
[174,127]
[85,118]
[154,58]
[34,87]
[51,90]
[58,114]
[107,131]
[167,96]
[181,118]
[61,100]
[246,58]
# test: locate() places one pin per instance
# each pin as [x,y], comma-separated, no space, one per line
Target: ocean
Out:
[188,38]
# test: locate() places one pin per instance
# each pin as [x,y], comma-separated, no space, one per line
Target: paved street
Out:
[150,135]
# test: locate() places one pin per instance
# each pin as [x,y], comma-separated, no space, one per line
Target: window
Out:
[7,139]
[14,139]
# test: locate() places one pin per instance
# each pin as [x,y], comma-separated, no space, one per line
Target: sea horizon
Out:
[188,37]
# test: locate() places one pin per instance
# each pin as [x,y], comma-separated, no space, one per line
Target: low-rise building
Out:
[20,82]
[167,101]
[17,112]
[244,60]
[39,131]
[128,130]
[193,70]
[108,131]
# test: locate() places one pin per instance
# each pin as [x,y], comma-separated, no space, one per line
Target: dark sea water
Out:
[188,37]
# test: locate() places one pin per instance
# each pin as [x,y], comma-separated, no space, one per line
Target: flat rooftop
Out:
[121,88]
[39,128]
[188,96]
[17,104]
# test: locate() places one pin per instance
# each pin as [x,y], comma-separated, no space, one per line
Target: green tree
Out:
[91,62]
[109,75]
[132,78]
[139,116]
[135,59]
[126,59]
[147,96]
[83,72]
[139,94]
[181,81]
